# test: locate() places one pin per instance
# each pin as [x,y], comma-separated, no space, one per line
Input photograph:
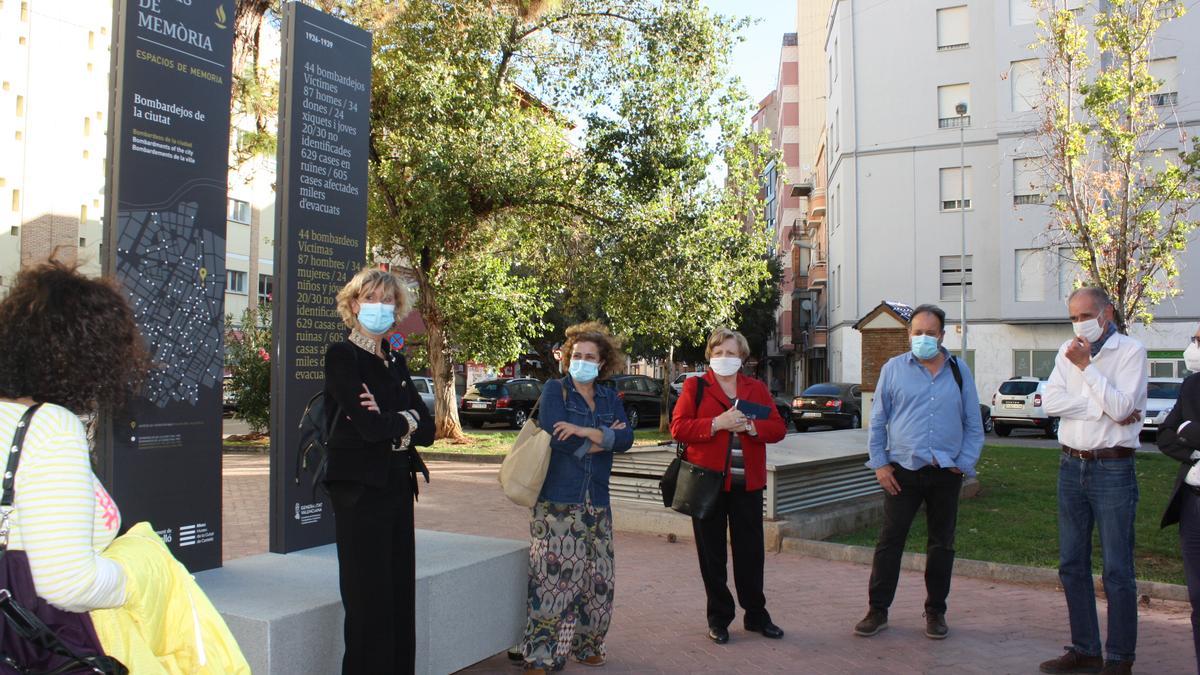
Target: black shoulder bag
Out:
[689,488]
[37,638]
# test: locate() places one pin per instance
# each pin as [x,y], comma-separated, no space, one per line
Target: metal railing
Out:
[954,122]
[1028,199]
[950,48]
[1169,98]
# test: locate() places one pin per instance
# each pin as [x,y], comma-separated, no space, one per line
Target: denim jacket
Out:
[574,474]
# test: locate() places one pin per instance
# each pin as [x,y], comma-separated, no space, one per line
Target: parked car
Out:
[424,387]
[1161,395]
[677,385]
[507,401]
[1018,403]
[835,404]
[642,397]
[228,400]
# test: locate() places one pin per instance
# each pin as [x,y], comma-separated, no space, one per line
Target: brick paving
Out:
[659,615]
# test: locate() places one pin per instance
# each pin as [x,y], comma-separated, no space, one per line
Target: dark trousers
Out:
[1189,543]
[938,490]
[377,574]
[741,513]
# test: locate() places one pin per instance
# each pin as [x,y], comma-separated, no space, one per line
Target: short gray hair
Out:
[1097,294]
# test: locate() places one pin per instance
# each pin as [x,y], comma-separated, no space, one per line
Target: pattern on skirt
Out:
[570,583]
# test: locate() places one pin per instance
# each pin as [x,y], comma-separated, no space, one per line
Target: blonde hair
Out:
[367,280]
[599,335]
[722,334]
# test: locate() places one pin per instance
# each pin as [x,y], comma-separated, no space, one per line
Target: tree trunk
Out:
[247,20]
[664,422]
[446,424]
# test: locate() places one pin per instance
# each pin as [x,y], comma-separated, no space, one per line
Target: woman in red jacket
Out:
[717,434]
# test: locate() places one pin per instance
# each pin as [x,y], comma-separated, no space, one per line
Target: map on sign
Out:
[173,272]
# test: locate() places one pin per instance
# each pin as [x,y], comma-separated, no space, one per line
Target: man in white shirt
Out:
[1098,392]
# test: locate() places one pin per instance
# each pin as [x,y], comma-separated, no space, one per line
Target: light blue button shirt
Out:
[918,419]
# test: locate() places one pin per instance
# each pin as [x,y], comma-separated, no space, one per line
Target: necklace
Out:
[364,343]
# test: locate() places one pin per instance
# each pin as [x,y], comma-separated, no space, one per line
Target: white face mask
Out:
[725,365]
[1089,330]
[1191,357]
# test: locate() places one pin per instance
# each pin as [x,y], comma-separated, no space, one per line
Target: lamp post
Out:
[961,109]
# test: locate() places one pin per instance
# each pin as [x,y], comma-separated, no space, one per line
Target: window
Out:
[1021,12]
[87,126]
[1025,78]
[1029,274]
[266,287]
[949,96]
[1069,272]
[953,277]
[20,105]
[239,211]
[16,200]
[952,30]
[82,242]
[82,214]
[953,186]
[421,385]
[837,117]
[838,289]
[15,231]
[831,72]
[831,210]
[1033,362]
[1168,10]
[835,59]
[1027,181]
[1166,73]
[235,281]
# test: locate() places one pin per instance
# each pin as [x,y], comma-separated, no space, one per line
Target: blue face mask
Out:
[924,347]
[583,371]
[376,317]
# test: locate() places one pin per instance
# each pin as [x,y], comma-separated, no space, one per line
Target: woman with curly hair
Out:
[571,550]
[63,520]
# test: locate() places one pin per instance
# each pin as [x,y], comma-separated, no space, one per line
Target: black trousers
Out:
[938,490]
[377,573]
[741,513]
[1189,544]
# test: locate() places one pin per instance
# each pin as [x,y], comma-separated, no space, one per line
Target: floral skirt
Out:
[570,583]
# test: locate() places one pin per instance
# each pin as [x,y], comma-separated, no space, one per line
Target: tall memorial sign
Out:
[164,243]
[320,240]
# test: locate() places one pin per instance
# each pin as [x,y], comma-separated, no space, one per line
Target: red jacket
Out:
[692,425]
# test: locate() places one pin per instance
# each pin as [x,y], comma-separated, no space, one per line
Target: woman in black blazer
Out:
[1179,438]
[371,476]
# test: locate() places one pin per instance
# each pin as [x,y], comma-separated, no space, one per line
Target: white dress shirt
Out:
[1090,403]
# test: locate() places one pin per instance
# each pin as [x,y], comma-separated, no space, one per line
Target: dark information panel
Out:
[320,240]
[164,242]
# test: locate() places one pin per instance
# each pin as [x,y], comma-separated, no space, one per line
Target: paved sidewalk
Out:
[659,615]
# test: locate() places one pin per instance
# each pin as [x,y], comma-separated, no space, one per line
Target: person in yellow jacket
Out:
[71,343]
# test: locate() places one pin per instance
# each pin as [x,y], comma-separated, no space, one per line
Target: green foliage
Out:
[1126,221]
[247,353]
[756,314]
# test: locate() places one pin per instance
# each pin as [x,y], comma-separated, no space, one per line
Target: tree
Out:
[1125,220]
[478,185]
[248,355]
[755,316]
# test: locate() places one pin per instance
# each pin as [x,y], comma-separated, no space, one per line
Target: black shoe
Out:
[872,623]
[935,626]
[718,635]
[768,629]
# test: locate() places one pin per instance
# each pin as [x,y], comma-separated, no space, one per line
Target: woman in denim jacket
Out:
[571,548]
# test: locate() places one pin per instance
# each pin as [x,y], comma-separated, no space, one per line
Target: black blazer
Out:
[360,448]
[1180,444]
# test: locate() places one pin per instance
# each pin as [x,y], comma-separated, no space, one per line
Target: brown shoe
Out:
[593,660]
[935,626]
[1118,668]
[872,623]
[1073,662]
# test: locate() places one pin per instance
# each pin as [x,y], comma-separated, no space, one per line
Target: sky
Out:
[756,60]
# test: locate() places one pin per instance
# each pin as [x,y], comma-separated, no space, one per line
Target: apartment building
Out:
[897,187]
[55,58]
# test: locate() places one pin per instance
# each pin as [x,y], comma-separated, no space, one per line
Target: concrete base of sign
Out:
[286,612]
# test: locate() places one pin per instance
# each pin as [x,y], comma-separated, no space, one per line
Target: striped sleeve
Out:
[55,509]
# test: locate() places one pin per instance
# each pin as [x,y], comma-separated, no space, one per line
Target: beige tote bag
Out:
[524,469]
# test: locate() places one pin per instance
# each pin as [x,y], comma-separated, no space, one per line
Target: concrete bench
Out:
[286,613]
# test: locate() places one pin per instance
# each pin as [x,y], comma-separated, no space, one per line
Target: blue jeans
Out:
[1104,493]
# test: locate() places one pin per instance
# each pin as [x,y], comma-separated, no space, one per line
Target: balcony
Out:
[818,337]
[818,274]
[816,203]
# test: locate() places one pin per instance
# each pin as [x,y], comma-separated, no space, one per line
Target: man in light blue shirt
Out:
[926,434]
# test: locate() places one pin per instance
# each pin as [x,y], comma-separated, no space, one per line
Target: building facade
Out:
[55,58]
[898,191]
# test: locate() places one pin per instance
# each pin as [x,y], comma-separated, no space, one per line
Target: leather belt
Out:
[1100,453]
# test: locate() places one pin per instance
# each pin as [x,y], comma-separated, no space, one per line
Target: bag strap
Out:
[957,373]
[10,473]
[562,384]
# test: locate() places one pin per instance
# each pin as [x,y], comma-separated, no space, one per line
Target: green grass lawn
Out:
[1014,518]
[498,443]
